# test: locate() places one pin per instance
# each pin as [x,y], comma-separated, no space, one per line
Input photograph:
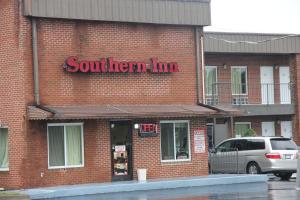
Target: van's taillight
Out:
[273,156]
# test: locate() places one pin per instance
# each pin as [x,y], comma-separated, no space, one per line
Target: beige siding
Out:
[265,43]
[182,12]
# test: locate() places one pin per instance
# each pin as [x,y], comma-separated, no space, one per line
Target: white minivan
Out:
[254,155]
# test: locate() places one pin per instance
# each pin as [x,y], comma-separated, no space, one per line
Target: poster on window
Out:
[199,140]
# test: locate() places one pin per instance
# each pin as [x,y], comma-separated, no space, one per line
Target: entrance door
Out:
[267,85]
[285,90]
[221,133]
[286,129]
[121,140]
[268,128]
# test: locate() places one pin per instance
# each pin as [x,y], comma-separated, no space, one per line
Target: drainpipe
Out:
[203,67]
[200,68]
[197,41]
[35,63]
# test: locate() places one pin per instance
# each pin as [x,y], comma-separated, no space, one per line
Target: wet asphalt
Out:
[276,190]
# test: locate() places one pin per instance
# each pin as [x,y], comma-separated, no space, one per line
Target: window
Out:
[241,128]
[239,80]
[240,145]
[175,142]
[226,146]
[255,144]
[283,144]
[3,149]
[65,145]
[211,80]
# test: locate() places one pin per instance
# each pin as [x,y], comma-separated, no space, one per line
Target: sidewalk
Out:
[129,186]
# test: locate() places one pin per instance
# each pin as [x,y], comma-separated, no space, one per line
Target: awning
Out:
[117,111]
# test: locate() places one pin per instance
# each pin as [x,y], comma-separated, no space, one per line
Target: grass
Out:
[7,193]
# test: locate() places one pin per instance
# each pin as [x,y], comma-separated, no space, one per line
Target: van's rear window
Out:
[283,144]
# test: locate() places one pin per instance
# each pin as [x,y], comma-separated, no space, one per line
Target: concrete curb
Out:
[15,197]
[102,188]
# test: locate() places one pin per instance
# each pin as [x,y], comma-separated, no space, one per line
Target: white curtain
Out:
[211,81]
[167,141]
[236,81]
[73,139]
[182,143]
[3,148]
[56,146]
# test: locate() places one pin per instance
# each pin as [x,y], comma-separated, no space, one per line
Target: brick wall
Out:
[295,60]
[15,87]
[146,154]
[97,155]
[59,39]
[97,166]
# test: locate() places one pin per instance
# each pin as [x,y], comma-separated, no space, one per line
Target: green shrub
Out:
[249,133]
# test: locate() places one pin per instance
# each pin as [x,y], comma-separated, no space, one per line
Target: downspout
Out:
[203,67]
[198,63]
[35,63]
[200,68]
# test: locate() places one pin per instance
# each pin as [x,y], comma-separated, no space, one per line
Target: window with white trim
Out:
[211,80]
[241,128]
[175,141]
[65,145]
[3,149]
[239,85]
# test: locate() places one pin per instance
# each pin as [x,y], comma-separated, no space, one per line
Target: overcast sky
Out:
[260,16]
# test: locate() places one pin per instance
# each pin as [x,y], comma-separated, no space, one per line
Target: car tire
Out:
[285,176]
[253,168]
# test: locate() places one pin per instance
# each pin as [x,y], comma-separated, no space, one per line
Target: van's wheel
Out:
[253,168]
[285,176]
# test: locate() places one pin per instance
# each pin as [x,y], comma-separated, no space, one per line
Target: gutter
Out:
[35,62]
[203,67]
[198,63]
[212,107]
[46,109]
[200,66]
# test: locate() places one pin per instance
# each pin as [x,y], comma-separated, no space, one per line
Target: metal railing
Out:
[224,162]
[254,93]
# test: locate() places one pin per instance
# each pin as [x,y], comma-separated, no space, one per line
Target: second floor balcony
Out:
[226,93]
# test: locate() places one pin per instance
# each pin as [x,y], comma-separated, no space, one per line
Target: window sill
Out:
[65,167]
[175,162]
[4,169]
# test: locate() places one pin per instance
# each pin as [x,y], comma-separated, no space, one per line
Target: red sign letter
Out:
[72,65]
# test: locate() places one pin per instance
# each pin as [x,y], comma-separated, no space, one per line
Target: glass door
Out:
[121,140]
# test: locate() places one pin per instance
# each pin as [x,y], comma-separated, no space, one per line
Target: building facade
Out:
[91,91]
[257,74]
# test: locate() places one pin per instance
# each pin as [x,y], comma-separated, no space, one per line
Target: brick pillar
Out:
[295,65]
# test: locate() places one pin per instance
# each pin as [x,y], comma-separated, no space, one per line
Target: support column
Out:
[295,70]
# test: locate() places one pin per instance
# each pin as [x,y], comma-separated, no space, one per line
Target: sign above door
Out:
[110,65]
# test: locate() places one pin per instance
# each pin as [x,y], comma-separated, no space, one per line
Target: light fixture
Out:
[224,66]
[275,66]
[112,125]
[136,126]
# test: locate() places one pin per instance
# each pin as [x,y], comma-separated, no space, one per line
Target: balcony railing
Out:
[254,93]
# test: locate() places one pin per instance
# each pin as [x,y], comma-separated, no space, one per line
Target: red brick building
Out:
[91,91]
[257,74]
